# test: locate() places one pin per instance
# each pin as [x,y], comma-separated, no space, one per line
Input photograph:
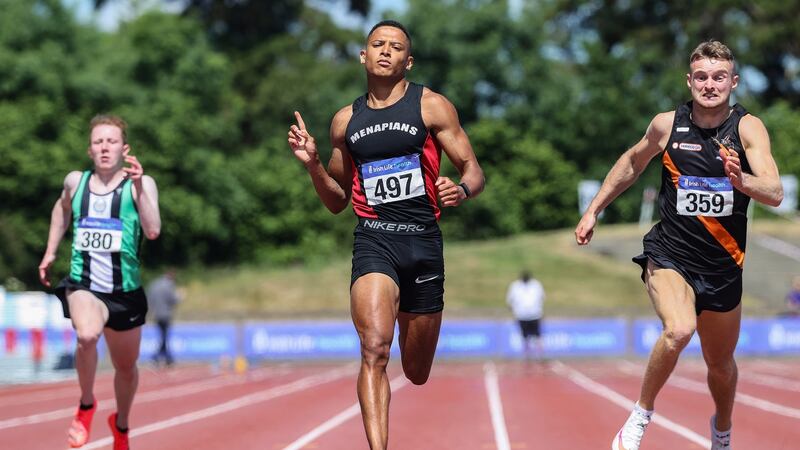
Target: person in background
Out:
[793,299]
[525,297]
[162,298]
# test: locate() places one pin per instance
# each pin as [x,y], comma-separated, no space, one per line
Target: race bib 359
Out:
[705,196]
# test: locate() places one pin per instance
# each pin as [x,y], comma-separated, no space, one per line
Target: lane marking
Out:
[492,385]
[145,397]
[237,403]
[779,246]
[700,387]
[354,410]
[750,374]
[625,403]
[67,388]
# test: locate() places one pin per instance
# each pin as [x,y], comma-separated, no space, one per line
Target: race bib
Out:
[705,196]
[393,179]
[98,235]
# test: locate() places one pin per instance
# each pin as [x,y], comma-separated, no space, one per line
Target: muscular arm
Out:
[334,186]
[441,118]
[764,184]
[59,223]
[625,172]
[145,194]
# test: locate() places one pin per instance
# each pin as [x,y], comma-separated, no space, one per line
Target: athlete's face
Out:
[107,148]
[711,82]
[388,52]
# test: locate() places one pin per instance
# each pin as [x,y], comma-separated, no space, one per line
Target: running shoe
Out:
[720,440]
[630,435]
[78,434]
[120,439]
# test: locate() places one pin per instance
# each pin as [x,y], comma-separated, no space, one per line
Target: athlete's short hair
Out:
[110,119]
[713,49]
[394,24]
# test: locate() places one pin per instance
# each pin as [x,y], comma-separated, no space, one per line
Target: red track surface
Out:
[465,405]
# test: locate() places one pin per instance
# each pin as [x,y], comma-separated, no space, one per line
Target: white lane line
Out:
[779,246]
[145,397]
[773,381]
[495,406]
[747,374]
[68,389]
[237,403]
[625,403]
[701,387]
[339,419]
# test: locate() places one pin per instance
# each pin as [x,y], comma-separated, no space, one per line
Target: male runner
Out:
[386,154]
[715,159]
[110,208]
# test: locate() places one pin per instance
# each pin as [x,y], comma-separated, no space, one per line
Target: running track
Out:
[481,405]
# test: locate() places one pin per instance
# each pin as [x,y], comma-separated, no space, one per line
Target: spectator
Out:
[526,297]
[793,299]
[163,297]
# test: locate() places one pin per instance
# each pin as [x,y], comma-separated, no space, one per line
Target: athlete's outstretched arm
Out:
[145,194]
[334,184]
[59,223]
[441,117]
[764,184]
[625,172]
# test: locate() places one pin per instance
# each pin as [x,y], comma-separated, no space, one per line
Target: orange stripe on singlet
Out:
[711,224]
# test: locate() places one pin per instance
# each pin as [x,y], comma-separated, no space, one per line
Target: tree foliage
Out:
[548,94]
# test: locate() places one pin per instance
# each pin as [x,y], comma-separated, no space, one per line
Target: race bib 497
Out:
[393,179]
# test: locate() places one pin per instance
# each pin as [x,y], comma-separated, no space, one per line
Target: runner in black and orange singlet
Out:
[386,155]
[715,159]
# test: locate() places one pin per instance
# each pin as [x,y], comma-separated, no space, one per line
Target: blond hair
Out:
[110,119]
[713,49]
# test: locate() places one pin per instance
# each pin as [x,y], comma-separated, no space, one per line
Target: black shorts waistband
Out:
[385,226]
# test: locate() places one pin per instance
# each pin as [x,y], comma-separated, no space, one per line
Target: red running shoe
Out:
[78,433]
[120,439]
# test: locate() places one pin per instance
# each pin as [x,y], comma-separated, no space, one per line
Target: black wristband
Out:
[466,189]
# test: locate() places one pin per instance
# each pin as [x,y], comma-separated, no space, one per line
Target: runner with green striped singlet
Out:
[110,207]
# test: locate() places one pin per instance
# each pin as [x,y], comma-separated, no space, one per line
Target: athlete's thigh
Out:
[87,312]
[672,296]
[123,346]
[374,300]
[419,334]
[719,332]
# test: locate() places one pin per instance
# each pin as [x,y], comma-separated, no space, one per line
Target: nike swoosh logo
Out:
[422,280]
[133,319]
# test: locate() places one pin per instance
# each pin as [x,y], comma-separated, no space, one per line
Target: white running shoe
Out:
[630,435]
[720,440]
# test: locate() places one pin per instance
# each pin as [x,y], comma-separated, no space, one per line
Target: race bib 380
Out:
[98,235]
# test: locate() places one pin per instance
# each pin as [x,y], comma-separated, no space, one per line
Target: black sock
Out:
[121,430]
[86,407]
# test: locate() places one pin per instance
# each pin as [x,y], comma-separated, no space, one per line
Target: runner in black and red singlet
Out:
[715,159]
[387,148]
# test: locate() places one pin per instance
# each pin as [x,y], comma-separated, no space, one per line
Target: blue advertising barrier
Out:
[465,338]
[757,337]
[193,341]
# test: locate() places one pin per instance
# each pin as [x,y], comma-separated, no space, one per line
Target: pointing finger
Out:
[300,120]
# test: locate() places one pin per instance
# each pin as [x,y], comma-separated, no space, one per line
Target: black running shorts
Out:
[413,259]
[126,310]
[719,293]
[529,328]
